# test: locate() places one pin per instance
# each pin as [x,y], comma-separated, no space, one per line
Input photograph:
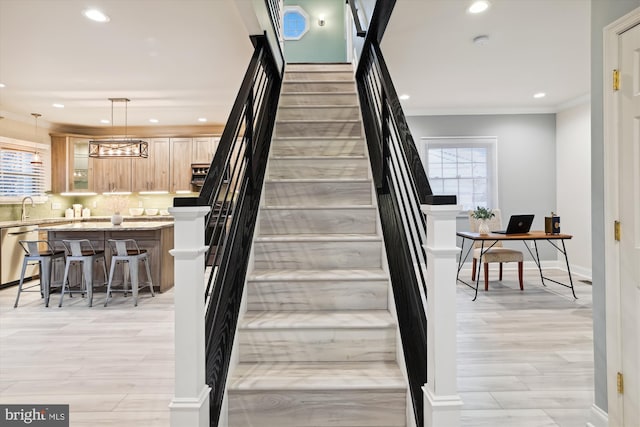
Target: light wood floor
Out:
[525,358]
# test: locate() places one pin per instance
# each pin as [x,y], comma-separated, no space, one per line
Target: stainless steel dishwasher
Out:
[11,253]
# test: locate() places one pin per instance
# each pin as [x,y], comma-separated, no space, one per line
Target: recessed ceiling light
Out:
[478,6]
[539,95]
[105,121]
[154,120]
[202,119]
[58,105]
[404,97]
[2,85]
[95,15]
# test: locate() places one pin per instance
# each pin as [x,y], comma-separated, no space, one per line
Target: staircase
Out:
[317,345]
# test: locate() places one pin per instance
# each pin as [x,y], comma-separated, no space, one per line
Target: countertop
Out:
[93,219]
[127,225]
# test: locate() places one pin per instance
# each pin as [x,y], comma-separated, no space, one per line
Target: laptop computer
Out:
[518,224]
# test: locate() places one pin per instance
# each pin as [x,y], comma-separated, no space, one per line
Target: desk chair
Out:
[127,253]
[42,252]
[82,252]
[497,253]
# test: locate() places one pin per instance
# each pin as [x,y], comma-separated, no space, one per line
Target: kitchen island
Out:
[154,236]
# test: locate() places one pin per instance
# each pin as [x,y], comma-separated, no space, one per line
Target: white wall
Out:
[573,174]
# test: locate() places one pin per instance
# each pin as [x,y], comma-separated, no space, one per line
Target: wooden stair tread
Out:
[317,376]
[317,319]
[308,237]
[313,275]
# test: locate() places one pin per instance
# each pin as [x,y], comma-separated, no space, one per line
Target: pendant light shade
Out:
[118,147]
[36,159]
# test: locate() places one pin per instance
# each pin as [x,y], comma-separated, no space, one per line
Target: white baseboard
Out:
[598,417]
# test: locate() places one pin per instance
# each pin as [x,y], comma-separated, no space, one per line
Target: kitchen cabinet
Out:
[111,174]
[152,173]
[168,167]
[181,155]
[70,169]
[204,149]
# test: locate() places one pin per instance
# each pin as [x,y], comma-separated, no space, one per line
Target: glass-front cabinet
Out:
[70,167]
[79,171]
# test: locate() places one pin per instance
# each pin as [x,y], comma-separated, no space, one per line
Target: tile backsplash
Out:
[99,205]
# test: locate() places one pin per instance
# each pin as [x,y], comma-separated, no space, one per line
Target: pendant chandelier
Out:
[37,159]
[118,147]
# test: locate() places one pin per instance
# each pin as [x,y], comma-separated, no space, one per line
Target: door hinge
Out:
[620,383]
[616,230]
[616,80]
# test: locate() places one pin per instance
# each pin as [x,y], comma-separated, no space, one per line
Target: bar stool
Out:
[42,252]
[82,251]
[128,253]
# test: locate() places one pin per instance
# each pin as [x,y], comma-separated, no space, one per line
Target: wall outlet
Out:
[94,204]
[56,205]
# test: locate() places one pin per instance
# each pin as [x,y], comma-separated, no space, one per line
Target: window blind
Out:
[20,177]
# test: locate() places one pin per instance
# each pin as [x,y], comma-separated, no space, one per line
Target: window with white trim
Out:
[464,166]
[22,173]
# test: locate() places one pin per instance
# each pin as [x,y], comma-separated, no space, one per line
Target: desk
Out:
[490,240]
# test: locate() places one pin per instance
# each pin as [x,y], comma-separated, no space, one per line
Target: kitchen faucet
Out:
[23,215]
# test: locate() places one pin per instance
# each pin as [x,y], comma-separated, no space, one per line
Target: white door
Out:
[629,217]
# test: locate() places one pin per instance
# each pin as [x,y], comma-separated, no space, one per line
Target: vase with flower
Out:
[483,215]
[116,204]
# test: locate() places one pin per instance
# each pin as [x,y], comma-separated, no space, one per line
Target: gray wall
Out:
[603,12]
[526,161]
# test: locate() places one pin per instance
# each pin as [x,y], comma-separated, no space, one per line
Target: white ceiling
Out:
[178,60]
[534,46]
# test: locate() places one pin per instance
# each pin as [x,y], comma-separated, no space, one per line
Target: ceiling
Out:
[176,60]
[180,60]
[533,46]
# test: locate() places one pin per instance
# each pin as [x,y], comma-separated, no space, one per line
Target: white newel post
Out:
[441,400]
[190,404]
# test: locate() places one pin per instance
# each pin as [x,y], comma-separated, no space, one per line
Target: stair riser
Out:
[303,87]
[319,113]
[318,168]
[317,345]
[319,99]
[303,76]
[320,67]
[326,295]
[315,255]
[318,193]
[318,129]
[308,408]
[317,147]
[317,221]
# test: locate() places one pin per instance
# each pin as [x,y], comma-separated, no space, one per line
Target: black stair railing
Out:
[232,189]
[401,187]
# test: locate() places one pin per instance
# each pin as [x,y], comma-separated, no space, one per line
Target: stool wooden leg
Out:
[520,275]
[500,275]
[486,276]
[473,269]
